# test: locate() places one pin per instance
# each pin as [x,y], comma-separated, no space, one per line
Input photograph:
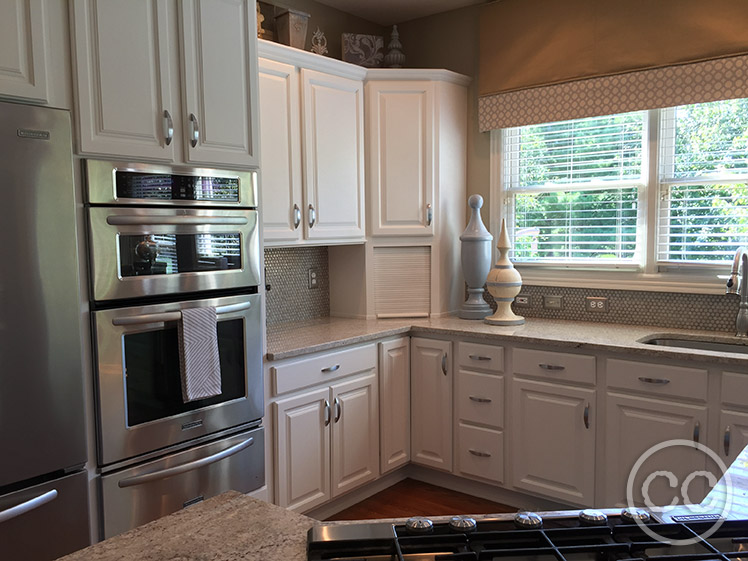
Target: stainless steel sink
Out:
[700,344]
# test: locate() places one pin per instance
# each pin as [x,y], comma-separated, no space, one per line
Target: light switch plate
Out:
[553,302]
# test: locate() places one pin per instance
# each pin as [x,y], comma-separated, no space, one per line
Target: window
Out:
[648,191]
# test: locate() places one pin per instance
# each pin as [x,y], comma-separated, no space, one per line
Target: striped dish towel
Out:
[199,364]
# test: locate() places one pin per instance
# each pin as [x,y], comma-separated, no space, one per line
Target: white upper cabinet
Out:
[126,59]
[22,46]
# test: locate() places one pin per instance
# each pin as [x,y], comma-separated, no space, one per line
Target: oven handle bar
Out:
[27,506]
[189,466]
[151,220]
[175,316]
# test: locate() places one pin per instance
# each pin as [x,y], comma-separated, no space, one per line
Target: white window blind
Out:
[703,213]
[573,189]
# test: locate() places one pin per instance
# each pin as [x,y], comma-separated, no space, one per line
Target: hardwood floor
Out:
[415,498]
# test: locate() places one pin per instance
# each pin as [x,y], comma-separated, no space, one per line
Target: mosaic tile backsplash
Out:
[287,273]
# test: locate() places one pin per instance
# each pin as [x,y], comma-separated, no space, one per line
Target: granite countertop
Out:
[300,338]
[229,527]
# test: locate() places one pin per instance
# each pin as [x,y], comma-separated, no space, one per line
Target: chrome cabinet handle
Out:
[327,412]
[195,136]
[27,506]
[188,466]
[556,367]
[429,214]
[139,220]
[696,432]
[168,128]
[479,453]
[312,216]
[479,399]
[444,363]
[587,416]
[296,216]
[175,316]
[332,368]
[338,409]
[479,357]
[726,441]
[658,381]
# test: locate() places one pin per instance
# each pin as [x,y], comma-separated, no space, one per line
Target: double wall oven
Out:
[162,240]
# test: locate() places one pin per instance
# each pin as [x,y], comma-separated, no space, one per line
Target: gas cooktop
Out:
[588,535]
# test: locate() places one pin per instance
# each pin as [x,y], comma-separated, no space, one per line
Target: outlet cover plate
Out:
[596,304]
[523,301]
[313,278]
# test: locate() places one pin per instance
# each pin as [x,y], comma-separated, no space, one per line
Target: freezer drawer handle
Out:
[189,466]
[153,220]
[175,316]
[28,506]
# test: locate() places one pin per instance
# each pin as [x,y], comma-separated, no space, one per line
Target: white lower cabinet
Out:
[553,440]
[734,435]
[394,403]
[480,452]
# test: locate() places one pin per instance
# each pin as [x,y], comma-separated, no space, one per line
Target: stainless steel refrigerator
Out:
[43,486]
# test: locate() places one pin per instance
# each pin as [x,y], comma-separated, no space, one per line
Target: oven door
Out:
[137,252]
[139,384]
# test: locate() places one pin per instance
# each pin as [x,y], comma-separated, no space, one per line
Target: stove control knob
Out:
[591,517]
[528,520]
[635,515]
[462,524]
[419,525]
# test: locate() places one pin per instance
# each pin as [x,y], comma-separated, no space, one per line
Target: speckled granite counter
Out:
[291,340]
[229,527]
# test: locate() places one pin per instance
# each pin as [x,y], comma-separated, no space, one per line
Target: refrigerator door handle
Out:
[189,466]
[27,506]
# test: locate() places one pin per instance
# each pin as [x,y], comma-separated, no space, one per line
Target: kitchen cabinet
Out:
[394,403]
[131,103]
[733,436]
[311,109]
[431,411]
[23,63]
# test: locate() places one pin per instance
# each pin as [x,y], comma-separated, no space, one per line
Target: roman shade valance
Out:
[551,60]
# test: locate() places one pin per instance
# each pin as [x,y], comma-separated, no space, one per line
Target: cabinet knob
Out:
[312,216]
[168,128]
[195,136]
[296,216]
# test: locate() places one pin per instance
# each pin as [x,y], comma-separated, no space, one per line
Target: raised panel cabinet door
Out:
[733,435]
[400,163]
[219,73]
[280,161]
[355,433]
[553,440]
[332,121]
[431,408]
[302,450]
[633,426]
[124,97]
[394,403]
[22,44]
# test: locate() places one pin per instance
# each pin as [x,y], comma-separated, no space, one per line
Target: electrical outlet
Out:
[596,304]
[523,301]
[313,278]
[553,302]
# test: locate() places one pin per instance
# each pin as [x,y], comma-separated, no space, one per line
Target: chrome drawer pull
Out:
[551,366]
[726,441]
[27,506]
[587,416]
[296,216]
[479,399]
[332,368]
[658,381]
[327,412]
[479,453]
[168,128]
[429,214]
[195,136]
[189,466]
[696,432]
[338,409]
[175,316]
[479,357]
[444,364]
[312,216]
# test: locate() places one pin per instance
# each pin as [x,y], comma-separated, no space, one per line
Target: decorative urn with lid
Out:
[476,261]
[504,283]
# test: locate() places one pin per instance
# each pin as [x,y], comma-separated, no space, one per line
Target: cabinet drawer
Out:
[485,357]
[480,398]
[735,389]
[660,379]
[549,365]
[481,452]
[300,373]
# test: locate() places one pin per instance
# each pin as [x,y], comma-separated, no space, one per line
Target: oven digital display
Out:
[171,187]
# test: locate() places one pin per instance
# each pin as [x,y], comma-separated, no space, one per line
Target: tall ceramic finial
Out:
[504,283]
[476,261]
[395,57]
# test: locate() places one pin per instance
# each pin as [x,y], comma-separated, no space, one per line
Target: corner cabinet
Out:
[22,48]
[394,403]
[131,102]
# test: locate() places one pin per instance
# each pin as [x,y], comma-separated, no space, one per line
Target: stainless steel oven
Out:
[138,376]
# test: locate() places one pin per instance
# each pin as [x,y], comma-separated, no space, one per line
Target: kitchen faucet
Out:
[738,284]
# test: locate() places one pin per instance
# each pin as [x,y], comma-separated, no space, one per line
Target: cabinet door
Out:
[634,425]
[280,163]
[332,117]
[302,454]
[394,403]
[355,433]
[553,440]
[431,410]
[400,164]
[22,58]
[124,100]
[219,71]
[734,435]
